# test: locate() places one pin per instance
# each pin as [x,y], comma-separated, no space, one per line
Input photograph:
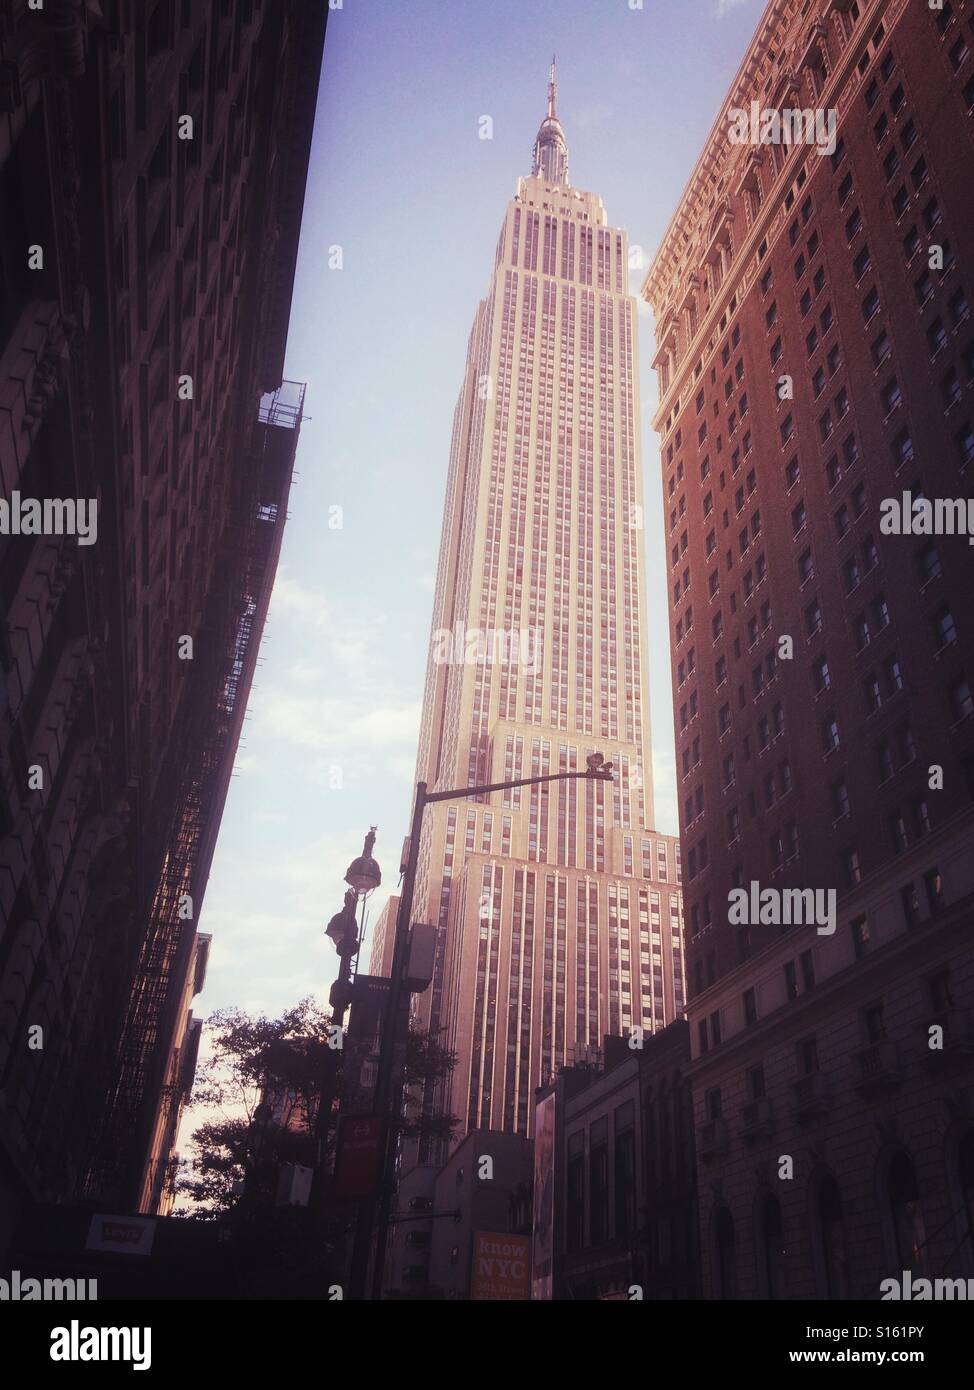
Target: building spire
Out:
[551,148]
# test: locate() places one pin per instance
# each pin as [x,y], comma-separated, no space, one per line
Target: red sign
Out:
[501,1267]
[358,1155]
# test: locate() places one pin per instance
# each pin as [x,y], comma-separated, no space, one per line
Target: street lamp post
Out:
[363,877]
[596,769]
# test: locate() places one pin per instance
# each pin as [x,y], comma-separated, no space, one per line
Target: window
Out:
[901,449]
[951,389]
[964,441]
[840,800]
[961,701]
[870,305]
[830,734]
[957,52]
[923,288]
[832,1241]
[853,225]
[791,980]
[726,1260]
[862,263]
[919,173]
[750,1008]
[941,998]
[945,630]
[936,336]
[859,928]
[891,395]
[850,867]
[872,692]
[958,307]
[907,1216]
[599,1181]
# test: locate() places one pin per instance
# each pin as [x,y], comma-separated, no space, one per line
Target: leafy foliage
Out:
[260,1085]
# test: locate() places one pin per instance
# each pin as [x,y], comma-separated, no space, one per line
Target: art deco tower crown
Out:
[551,147]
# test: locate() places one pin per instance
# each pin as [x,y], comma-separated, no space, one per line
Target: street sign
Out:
[358,1156]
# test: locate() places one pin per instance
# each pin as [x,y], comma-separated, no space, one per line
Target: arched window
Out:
[832,1230]
[904,1200]
[726,1259]
[771,1249]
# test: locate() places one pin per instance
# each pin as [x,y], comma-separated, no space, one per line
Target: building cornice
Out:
[739,278]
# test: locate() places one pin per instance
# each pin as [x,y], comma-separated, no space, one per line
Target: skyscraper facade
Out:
[558,908]
[815,359]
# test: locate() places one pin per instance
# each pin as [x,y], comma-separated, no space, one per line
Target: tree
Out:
[263,1076]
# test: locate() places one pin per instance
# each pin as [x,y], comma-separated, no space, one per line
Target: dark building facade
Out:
[816,363]
[625,1200]
[669,1264]
[153,160]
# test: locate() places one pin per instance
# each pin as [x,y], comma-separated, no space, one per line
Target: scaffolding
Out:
[237,606]
[283,407]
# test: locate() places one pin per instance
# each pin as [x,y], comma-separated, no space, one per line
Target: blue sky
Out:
[401,182]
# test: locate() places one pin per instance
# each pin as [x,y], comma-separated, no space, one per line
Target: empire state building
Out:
[557,908]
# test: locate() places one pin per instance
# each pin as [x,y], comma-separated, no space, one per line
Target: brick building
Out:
[625,1204]
[152,168]
[815,360]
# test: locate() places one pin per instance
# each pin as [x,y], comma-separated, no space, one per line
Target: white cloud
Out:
[724,7]
[333,724]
